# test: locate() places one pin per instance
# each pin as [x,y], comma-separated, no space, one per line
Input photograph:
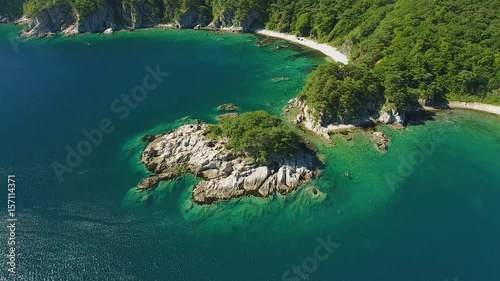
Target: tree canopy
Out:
[342,93]
[257,134]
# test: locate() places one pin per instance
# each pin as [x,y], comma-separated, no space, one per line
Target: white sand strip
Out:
[324,48]
[475,106]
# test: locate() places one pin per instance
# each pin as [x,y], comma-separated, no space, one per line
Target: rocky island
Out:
[231,162]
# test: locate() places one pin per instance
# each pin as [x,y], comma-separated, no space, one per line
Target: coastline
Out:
[323,48]
[225,173]
[483,107]
[390,117]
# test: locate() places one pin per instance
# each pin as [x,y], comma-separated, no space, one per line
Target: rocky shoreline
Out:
[394,118]
[224,173]
[128,16]
[304,117]
[6,19]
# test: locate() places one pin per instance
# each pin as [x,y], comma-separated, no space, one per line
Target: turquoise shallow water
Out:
[439,220]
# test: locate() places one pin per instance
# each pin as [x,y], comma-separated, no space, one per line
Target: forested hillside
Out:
[415,49]
[401,51]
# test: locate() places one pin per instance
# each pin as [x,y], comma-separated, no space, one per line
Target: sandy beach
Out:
[494,109]
[324,48]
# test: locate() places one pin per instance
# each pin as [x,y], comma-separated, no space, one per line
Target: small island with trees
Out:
[254,153]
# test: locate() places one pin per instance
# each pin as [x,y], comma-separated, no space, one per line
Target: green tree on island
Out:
[258,135]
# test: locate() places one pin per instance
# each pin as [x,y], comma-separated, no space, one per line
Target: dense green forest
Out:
[257,134]
[343,92]
[413,50]
[401,51]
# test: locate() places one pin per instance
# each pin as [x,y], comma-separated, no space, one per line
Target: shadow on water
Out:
[303,54]
[419,117]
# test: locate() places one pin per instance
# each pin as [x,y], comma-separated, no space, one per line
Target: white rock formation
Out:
[226,174]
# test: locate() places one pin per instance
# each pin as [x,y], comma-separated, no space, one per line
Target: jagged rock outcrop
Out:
[391,116]
[63,18]
[225,174]
[381,140]
[314,121]
[306,118]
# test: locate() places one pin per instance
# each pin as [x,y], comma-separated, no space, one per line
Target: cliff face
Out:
[47,21]
[321,128]
[63,18]
[226,21]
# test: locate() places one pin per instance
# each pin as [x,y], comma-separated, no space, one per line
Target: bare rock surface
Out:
[228,107]
[61,17]
[225,174]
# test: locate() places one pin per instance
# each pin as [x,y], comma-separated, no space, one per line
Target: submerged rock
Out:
[227,115]
[381,140]
[280,79]
[225,174]
[148,138]
[228,107]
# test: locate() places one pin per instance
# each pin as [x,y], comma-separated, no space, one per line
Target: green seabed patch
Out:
[255,214]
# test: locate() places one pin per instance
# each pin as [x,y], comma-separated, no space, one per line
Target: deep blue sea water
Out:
[439,221]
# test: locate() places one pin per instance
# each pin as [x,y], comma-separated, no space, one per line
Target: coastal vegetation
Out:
[416,51]
[257,134]
[342,92]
